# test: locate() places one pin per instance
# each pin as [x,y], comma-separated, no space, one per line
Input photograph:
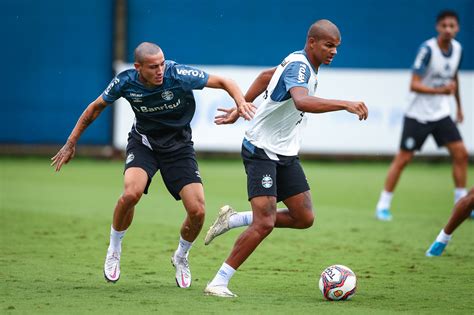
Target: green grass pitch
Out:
[55,226]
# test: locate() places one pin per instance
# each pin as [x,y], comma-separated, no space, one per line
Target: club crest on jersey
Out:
[410,143]
[167,95]
[267,181]
[130,158]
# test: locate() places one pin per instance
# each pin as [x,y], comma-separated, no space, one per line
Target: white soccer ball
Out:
[337,283]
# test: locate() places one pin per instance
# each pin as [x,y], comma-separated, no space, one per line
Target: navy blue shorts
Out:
[265,177]
[178,168]
[415,133]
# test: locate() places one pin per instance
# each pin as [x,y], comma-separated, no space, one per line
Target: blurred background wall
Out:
[56,58]
[60,55]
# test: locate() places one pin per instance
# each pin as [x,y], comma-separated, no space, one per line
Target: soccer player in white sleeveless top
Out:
[434,86]
[266,130]
[270,150]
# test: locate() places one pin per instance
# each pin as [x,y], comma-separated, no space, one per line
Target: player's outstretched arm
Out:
[417,86]
[312,104]
[66,153]
[259,85]
[245,109]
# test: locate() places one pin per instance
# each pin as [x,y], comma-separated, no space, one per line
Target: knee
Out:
[264,226]
[131,197]
[265,208]
[197,211]
[461,156]
[308,220]
[403,161]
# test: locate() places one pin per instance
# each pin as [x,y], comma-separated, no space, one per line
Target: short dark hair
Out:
[447,13]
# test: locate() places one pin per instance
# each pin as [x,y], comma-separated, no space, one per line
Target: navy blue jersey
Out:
[162,114]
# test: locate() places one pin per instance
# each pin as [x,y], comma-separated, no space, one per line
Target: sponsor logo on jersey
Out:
[111,85]
[267,181]
[167,95]
[301,73]
[130,158]
[421,56]
[194,73]
[136,97]
[145,109]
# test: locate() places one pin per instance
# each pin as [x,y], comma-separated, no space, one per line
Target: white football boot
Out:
[183,273]
[221,225]
[112,266]
[220,291]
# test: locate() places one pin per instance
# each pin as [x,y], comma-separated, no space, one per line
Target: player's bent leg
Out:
[193,201]
[135,181]
[220,225]
[299,214]
[397,166]
[461,212]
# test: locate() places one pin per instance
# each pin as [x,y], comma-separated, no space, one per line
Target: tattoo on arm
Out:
[86,121]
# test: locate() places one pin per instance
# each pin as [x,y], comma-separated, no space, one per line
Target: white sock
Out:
[241,219]
[443,237]
[459,193]
[385,200]
[223,276]
[116,239]
[183,247]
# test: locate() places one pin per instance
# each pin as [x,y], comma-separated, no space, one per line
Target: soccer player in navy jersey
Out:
[434,84]
[270,150]
[160,94]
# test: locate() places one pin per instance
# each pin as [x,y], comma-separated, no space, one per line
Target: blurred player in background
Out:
[270,149]
[434,83]
[461,212]
[160,93]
